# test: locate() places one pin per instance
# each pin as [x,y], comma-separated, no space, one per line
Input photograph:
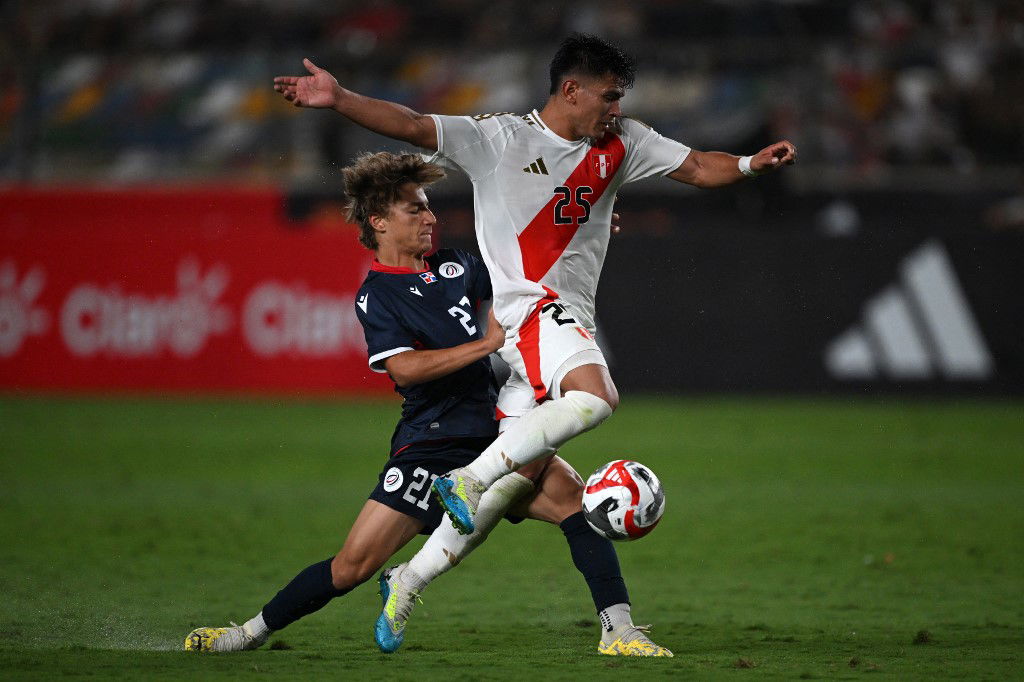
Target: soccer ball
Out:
[623,500]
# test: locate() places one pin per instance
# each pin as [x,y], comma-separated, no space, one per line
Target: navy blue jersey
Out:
[402,309]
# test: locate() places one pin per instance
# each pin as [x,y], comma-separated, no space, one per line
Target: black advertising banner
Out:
[801,312]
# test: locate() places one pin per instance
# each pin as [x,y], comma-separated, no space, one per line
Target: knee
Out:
[349,571]
[610,396]
[594,380]
[593,407]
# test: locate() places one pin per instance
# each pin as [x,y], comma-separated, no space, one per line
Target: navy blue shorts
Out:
[404,484]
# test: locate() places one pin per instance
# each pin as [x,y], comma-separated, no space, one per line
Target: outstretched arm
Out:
[717,169]
[320,90]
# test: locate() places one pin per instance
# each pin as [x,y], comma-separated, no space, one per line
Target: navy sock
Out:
[596,559]
[309,591]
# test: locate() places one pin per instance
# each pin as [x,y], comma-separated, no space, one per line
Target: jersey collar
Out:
[377,266]
[535,115]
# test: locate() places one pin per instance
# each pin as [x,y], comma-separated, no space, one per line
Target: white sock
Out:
[445,548]
[538,433]
[256,627]
[613,619]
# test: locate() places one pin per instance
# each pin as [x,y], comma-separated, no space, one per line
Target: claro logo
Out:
[19,316]
[280,319]
[106,320]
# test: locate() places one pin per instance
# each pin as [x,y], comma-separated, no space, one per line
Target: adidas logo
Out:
[919,328]
[537,167]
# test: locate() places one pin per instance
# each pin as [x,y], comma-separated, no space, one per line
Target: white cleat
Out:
[234,638]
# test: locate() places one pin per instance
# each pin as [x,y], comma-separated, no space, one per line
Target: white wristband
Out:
[744,164]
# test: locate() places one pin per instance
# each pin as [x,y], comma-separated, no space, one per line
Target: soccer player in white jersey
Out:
[543,187]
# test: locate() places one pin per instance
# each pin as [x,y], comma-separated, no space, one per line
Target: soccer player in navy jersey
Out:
[420,317]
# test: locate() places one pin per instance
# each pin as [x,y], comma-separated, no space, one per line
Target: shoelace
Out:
[405,606]
[638,632]
[246,638]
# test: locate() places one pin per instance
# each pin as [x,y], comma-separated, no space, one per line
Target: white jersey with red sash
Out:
[543,204]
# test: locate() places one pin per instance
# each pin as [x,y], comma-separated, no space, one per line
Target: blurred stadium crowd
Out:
[149,91]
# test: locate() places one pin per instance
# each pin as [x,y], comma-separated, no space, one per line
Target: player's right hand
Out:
[317,90]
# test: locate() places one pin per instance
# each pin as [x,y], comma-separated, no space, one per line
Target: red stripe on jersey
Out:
[543,242]
[399,450]
[529,346]
[498,414]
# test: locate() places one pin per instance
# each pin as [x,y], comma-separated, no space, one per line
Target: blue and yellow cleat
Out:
[459,495]
[398,602]
[633,641]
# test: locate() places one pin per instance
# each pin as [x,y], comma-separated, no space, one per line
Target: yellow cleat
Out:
[633,642]
[234,638]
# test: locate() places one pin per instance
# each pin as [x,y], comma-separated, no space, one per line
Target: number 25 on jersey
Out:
[566,199]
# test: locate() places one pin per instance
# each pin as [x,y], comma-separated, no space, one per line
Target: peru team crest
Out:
[603,165]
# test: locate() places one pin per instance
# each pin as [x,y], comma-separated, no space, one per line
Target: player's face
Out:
[597,102]
[409,222]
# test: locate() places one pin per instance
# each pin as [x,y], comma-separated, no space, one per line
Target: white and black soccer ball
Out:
[623,500]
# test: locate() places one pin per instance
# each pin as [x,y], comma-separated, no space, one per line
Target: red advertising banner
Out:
[177,290]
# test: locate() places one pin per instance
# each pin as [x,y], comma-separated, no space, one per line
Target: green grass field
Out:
[832,539]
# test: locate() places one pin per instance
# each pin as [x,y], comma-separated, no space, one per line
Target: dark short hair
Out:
[372,184]
[585,54]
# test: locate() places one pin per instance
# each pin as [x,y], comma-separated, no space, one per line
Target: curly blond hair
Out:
[372,184]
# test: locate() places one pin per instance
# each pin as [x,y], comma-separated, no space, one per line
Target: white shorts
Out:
[548,345]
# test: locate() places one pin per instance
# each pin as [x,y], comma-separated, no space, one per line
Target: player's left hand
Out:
[494,336]
[615,220]
[774,156]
